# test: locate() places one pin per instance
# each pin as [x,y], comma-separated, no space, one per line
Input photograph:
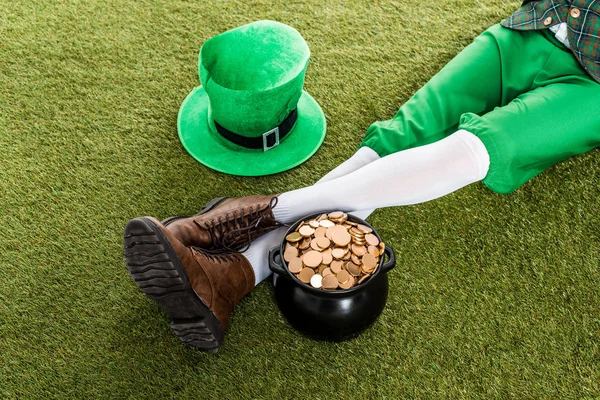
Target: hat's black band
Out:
[267,140]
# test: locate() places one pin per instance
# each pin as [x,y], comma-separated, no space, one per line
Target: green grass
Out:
[492,296]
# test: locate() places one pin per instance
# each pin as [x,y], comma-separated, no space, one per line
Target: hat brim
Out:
[221,155]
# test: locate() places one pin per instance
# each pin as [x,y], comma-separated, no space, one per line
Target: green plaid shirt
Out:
[583,21]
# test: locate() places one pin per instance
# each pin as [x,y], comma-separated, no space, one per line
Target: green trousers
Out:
[521,92]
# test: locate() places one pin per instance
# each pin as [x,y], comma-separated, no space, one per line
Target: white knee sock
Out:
[407,177]
[257,253]
[258,250]
[364,156]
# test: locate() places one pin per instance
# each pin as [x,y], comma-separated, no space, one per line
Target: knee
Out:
[387,137]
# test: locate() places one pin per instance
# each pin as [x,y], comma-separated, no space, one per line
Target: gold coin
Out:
[336,266]
[345,265]
[326,223]
[367,270]
[326,271]
[288,246]
[293,237]
[290,253]
[353,269]
[338,253]
[330,282]
[343,276]
[341,237]
[312,259]
[364,228]
[347,256]
[348,284]
[374,251]
[327,256]
[306,231]
[320,232]
[322,217]
[335,214]
[381,247]
[321,268]
[358,249]
[340,227]
[357,239]
[304,244]
[329,231]
[355,236]
[355,259]
[323,242]
[364,278]
[295,265]
[369,261]
[360,242]
[315,245]
[314,224]
[372,239]
[316,281]
[306,274]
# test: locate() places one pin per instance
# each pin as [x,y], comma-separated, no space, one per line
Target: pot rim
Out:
[337,292]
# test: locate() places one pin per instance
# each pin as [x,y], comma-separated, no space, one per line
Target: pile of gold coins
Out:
[331,252]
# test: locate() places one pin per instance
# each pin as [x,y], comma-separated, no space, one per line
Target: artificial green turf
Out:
[492,296]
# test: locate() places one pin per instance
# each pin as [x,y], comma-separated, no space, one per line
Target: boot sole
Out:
[158,272]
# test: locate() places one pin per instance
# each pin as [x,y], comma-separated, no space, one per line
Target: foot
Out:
[226,223]
[198,290]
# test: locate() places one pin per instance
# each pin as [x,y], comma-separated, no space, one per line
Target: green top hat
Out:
[251,117]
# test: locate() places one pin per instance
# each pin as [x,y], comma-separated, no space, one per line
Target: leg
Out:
[256,253]
[555,119]
[498,66]
[407,177]
[538,129]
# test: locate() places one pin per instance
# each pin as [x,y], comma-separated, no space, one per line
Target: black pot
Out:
[334,315]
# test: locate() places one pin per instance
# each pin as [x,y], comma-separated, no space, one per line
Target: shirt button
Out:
[575,13]
[548,21]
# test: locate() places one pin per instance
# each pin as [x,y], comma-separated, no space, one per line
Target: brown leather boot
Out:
[197,289]
[226,223]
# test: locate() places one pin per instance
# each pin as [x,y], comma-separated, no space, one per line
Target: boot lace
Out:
[234,232]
